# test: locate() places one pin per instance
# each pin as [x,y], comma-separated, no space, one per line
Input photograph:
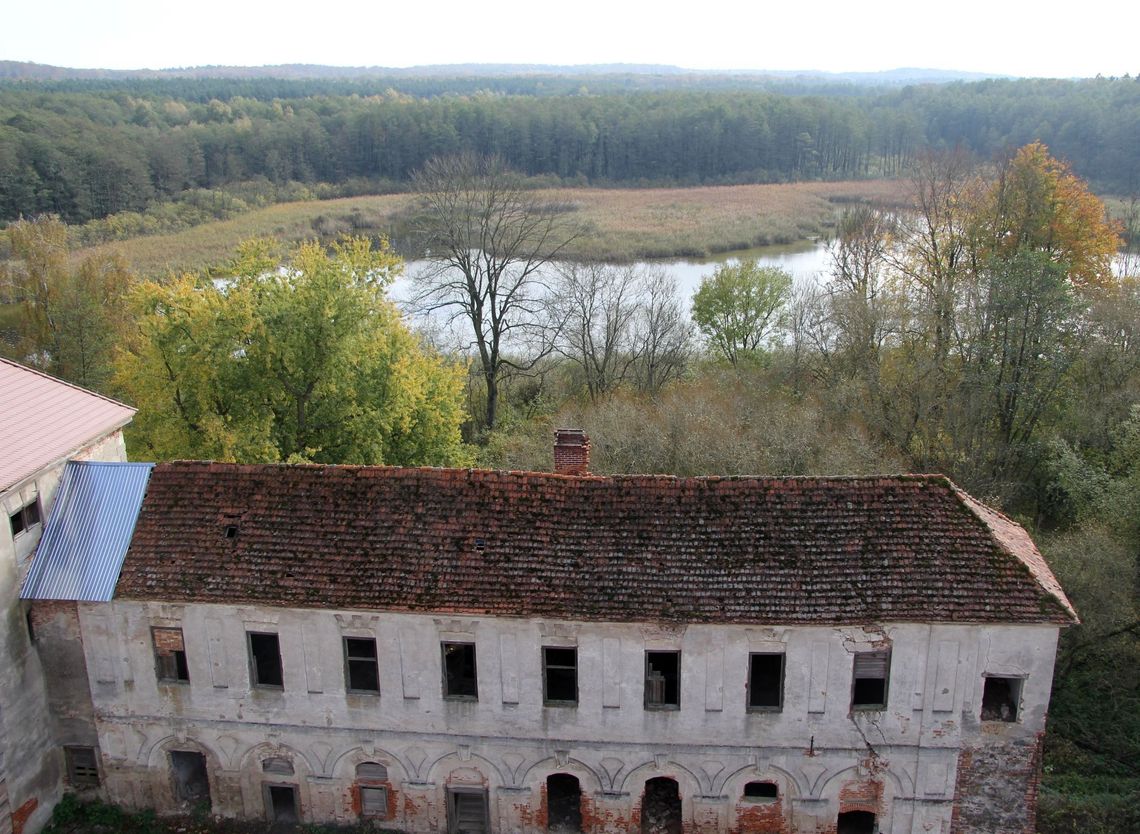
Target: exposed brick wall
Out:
[997,787]
[20,815]
[571,452]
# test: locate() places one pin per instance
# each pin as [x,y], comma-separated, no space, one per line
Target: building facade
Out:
[43,424]
[465,651]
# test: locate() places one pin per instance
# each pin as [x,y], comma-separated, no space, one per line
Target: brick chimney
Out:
[571,452]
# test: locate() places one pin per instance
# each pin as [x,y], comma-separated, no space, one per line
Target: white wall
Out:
[900,761]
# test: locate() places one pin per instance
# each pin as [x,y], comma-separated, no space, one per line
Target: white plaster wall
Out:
[30,757]
[813,747]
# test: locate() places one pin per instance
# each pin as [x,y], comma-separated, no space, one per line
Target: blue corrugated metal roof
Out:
[88,531]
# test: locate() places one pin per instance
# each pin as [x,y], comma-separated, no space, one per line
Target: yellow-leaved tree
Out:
[295,358]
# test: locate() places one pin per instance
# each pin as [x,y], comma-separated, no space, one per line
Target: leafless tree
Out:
[486,240]
[663,333]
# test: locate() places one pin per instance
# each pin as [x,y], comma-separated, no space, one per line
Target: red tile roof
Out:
[44,420]
[624,548]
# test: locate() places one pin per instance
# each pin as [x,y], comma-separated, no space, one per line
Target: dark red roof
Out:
[625,548]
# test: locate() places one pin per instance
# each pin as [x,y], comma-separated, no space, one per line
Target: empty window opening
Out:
[871,672]
[856,822]
[661,807]
[231,531]
[361,669]
[460,678]
[82,767]
[1000,699]
[278,765]
[662,680]
[191,780]
[170,655]
[265,660]
[761,791]
[765,681]
[560,675]
[467,811]
[281,803]
[563,804]
[25,518]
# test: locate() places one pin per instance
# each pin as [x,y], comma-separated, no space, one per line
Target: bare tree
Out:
[486,240]
[663,333]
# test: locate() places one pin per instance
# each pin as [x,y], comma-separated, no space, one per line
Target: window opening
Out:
[662,680]
[467,811]
[1000,699]
[460,678]
[765,681]
[265,660]
[560,675]
[871,670]
[563,804]
[362,670]
[82,767]
[191,780]
[370,782]
[231,531]
[856,822]
[26,517]
[281,803]
[661,807]
[761,791]
[170,655]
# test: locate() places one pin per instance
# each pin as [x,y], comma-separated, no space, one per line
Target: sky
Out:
[1008,37]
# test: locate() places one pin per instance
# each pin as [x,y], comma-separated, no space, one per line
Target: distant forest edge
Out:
[86,149]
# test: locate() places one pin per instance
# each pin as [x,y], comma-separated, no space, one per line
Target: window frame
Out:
[31,508]
[81,774]
[665,705]
[1016,687]
[254,677]
[181,667]
[868,706]
[350,659]
[448,695]
[749,689]
[547,665]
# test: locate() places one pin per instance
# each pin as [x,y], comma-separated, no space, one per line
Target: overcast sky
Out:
[997,36]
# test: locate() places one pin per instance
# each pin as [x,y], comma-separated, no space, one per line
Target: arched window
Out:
[370,779]
[761,791]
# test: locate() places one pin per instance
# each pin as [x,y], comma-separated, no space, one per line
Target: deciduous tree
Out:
[736,306]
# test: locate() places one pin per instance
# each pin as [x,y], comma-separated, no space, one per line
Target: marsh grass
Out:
[617,224]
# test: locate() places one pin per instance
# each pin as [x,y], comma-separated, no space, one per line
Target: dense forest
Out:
[85,149]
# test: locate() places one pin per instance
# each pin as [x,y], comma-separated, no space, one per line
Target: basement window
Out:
[170,655]
[765,682]
[871,671]
[560,676]
[662,680]
[360,666]
[761,791]
[1000,699]
[265,660]
[25,518]
[460,676]
[82,767]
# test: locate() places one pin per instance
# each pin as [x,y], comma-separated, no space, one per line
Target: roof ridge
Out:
[57,380]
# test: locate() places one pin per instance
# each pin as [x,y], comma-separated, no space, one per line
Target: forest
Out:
[985,328]
[89,149]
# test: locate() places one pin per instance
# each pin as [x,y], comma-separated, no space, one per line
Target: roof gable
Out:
[44,420]
[623,548]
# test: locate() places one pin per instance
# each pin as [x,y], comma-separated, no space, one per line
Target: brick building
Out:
[460,650]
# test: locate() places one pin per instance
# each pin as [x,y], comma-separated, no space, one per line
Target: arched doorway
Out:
[563,804]
[661,807]
[856,822]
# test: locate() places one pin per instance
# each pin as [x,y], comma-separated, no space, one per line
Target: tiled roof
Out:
[624,548]
[44,420]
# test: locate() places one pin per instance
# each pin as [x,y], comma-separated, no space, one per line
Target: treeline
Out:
[85,150]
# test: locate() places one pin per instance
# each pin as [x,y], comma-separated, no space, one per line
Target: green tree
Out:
[71,317]
[298,358]
[735,307]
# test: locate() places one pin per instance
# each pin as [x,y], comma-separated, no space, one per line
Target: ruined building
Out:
[473,651]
